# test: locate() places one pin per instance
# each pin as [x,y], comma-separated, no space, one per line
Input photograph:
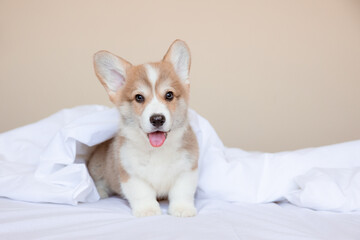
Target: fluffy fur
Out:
[129,165]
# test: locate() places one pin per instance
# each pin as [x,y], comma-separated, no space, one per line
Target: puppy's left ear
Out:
[179,56]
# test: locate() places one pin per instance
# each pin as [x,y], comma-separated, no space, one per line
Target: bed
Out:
[111,219]
[47,193]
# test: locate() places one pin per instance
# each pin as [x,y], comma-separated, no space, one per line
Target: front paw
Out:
[182,209]
[145,210]
[103,194]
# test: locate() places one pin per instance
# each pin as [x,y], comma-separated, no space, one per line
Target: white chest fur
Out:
[159,167]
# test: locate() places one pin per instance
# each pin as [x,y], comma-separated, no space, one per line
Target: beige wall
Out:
[269,75]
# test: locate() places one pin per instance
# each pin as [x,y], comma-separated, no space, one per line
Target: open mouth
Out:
[157,138]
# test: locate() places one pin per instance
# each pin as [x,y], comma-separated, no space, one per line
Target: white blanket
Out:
[43,162]
[328,189]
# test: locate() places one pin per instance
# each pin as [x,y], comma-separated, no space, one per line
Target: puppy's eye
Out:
[139,98]
[169,96]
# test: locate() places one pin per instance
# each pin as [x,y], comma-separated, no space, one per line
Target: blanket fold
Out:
[329,189]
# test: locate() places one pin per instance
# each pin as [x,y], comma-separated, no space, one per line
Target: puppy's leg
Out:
[181,195]
[141,196]
[102,189]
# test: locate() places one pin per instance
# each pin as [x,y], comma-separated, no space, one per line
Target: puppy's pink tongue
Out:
[157,139]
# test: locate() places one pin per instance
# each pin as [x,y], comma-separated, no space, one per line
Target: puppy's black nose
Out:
[157,120]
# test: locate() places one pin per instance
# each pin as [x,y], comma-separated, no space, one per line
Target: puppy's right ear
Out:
[111,71]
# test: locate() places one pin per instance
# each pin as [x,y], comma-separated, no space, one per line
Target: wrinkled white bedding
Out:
[328,189]
[217,220]
[42,162]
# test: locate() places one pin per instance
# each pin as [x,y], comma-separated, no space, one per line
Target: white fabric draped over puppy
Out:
[43,162]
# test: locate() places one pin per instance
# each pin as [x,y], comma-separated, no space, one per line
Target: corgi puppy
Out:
[154,155]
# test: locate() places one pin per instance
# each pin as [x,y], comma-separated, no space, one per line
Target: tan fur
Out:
[105,165]
[136,75]
[169,78]
[191,145]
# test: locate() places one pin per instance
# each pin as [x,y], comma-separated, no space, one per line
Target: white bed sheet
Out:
[111,219]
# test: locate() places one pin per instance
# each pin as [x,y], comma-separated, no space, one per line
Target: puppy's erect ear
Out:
[179,55]
[111,71]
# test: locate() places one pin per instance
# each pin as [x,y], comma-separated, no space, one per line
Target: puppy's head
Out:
[152,98]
